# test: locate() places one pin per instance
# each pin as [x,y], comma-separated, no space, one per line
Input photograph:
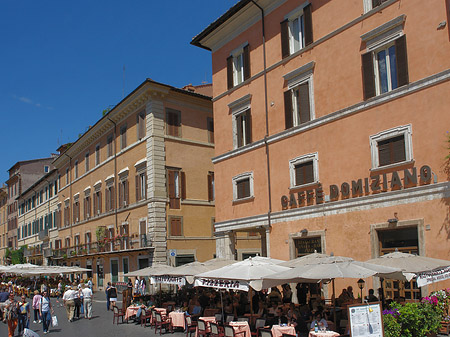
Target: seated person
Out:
[142,308]
[372,297]
[319,320]
[196,310]
[279,318]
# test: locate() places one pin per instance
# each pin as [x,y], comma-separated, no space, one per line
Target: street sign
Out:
[172,252]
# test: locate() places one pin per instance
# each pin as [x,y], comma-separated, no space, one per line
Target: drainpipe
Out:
[266,105]
[115,173]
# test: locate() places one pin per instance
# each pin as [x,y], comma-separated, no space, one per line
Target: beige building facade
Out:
[3,223]
[138,187]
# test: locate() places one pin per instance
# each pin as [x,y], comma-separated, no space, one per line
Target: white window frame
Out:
[294,79]
[314,157]
[368,5]
[238,56]
[297,13]
[238,178]
[46,169]
[237,108]
[75,169]
[406,131]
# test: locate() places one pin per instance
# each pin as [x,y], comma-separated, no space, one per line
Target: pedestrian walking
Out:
[87,298]
[108,302]
[69,302]
[24,315]
[36,302]
[112,293]
[46,310]
[12,314]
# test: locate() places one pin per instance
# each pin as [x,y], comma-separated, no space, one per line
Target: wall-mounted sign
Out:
[374,184]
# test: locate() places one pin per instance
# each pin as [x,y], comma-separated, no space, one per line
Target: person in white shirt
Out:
[87,297]
[69,302]
[137,286]
[319,320]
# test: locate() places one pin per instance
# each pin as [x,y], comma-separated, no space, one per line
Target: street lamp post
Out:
[361,284]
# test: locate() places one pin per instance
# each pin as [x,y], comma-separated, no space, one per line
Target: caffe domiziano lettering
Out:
[357,188]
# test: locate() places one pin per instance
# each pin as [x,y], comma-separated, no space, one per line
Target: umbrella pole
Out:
[334,305]
[250,291]
[221,301]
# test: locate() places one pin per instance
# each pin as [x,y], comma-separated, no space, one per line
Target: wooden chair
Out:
[230,318]
[216,330]
[117,313]
[146,315]
[229,332]
[202,331]
[190,326]
[243,319]
[162,323]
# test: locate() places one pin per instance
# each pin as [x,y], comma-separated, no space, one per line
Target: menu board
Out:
[366,320]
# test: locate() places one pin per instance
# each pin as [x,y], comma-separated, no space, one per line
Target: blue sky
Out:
[61,63]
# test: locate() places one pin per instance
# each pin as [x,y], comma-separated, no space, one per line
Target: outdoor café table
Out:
[278,330]
[178,319]
[252,318]
[323,334]
[131,311]
[162,311]
[241,326]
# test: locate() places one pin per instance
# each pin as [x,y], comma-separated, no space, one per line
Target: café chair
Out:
[216,330]
[218,318]
[265,332]
[117,313]
[260,323]
[161,323]
[146,315]
[243,319]
[230,318]
[202,331]
[190,326]
[229,332]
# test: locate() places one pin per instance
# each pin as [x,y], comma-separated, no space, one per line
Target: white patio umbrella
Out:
[238,275]
[193,268]
[427,269]
[157,269]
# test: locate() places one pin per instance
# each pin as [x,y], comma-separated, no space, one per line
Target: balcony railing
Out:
[43,235]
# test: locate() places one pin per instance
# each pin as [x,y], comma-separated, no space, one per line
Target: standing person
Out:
[69,302]
[112,293]
[24,314]
[78,302]
[143,286]
[108,302]
[87,297]
[136,286]
[46,311]
[89,283]
[36,302]
[12,314]
[59,293]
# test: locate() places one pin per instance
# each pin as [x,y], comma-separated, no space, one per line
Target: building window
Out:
[385,65]
[67,176]
[141,186]
[109,145]
[88,241]
[67,242]
[76,169]
[124,236]
[97,154]
[67,216]
[175,226]
[123,137]
[76,211]
[46,169]
[173,122]
[304,170]
[210,128]
[243,186]
[391,146]
[211,190]
[242,128]
[97,202]
[177,187]
[109,196]
[141,126]
[86,162]
[238,66]
[87,207]
[371,4]
[296,30]
[123,193]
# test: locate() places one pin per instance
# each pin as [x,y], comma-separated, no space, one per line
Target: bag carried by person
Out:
[29,333]
[54,321]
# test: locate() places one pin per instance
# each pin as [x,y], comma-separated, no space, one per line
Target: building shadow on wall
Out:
[446,201]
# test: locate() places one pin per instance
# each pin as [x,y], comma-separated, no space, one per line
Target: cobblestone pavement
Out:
[100,325]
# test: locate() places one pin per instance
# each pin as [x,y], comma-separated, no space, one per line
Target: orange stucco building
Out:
[332,128]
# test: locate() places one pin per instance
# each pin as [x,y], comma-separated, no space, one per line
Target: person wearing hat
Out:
[69,302]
